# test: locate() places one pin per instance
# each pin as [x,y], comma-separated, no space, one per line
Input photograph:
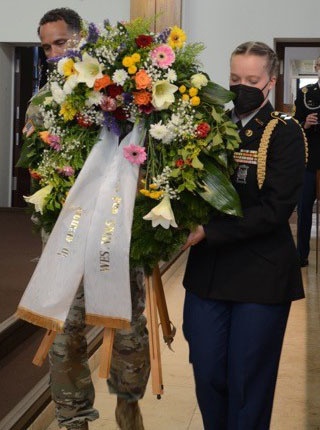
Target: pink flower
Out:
[54,142]
[108,104]
[135,154]
[162,56]
[66,171]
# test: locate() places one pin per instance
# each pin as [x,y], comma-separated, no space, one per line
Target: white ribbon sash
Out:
[90,240]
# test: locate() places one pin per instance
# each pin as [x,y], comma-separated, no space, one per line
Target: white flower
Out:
[57,93]
[171,75]
[70,84]
[158,131]
[120,76]
[47,101]
[89,70]
[199,80]
[38,198]
[163,94]
[162,214]
[94,98]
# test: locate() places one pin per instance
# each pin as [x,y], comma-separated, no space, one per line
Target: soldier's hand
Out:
[194,237]
[311,119]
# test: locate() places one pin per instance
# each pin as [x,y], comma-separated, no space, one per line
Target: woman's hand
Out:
[194,237]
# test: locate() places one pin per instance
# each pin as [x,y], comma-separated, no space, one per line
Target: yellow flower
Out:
[145,192]
[127,62]
[135,57]
[153,186]
[195,101]
[177,37]
[68,67]
[193,91]
[132,70]
[182,89]
[38,198]
[67,111]
[156,194]
[185,97]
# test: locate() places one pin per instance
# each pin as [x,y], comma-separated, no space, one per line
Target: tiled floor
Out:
[297,400]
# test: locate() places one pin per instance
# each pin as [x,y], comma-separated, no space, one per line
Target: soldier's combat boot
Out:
[128,415]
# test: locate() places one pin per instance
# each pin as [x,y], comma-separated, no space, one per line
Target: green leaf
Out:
[196,163]
[215,94]
[218,190]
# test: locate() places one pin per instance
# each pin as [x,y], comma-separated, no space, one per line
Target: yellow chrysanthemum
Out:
[185,97]
[182,89]
[136,57]
[132,70]
[145,192]
[193,91]
[153,186]
[67,111]
[156,195]
[177,37]
[127,62]
[195,101]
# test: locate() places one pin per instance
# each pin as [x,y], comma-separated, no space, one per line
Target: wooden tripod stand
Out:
[155,305]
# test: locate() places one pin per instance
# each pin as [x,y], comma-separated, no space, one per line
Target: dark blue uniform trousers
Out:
[305,207]
[235,352]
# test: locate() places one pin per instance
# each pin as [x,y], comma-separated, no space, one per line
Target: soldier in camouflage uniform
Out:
[71,384]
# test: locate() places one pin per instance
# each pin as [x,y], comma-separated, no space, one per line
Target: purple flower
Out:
[111,123]
[163,36]
[93,33]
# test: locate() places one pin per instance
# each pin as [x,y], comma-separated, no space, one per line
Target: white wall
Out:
[224,24]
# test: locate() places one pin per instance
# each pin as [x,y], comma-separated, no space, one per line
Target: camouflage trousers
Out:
[71,385]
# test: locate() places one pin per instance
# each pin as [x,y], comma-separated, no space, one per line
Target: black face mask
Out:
[247,98]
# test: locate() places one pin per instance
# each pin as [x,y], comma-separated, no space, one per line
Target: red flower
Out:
[83,121]
[147,109]
[143,40]
[114,90]
[180,162]
[120,114]
[203,129]
[34,174]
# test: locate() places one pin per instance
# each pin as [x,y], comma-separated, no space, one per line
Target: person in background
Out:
[242,272]
[71,385]
[307,112]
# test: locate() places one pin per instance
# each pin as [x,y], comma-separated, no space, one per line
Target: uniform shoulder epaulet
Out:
[282,116]
[277,117]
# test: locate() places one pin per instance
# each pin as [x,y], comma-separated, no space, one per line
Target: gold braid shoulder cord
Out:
[264,145]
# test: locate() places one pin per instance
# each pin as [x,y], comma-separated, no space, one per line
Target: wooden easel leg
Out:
[168,329]
[154,344]
[44,347]
[106,352]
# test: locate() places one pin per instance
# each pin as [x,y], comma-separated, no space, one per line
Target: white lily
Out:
[163,94]
[38,198]
[89,70]
[162,214]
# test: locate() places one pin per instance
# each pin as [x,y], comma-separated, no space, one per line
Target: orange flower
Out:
[34,174]
[101,83]
[143,80]
[44,136]
[142,97]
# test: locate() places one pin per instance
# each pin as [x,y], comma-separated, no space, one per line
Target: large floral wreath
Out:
[116,76]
